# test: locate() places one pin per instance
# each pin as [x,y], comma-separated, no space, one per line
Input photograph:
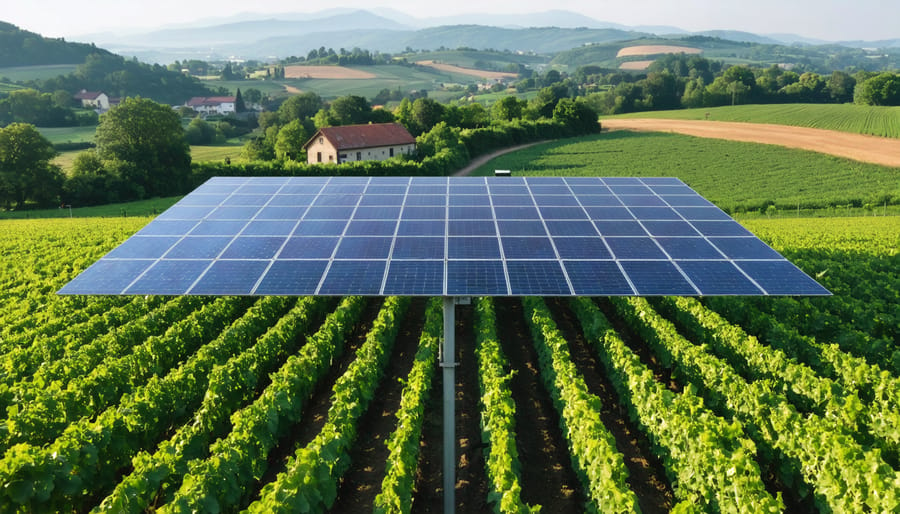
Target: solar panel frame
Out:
[444,236]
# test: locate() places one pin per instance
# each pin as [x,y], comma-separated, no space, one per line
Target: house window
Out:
[330,158]
[321,140]
[358,156]
[318,156]
[392,152]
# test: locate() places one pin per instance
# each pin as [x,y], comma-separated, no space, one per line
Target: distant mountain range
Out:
[267,36]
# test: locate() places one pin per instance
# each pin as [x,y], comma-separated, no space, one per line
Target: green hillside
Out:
[23,48]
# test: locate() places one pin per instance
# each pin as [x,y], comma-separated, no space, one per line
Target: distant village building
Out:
[373,142]
[97,100]
[212,104]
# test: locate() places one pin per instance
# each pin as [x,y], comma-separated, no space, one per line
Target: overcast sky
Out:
[825,19]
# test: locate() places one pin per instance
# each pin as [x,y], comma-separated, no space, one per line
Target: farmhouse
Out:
[212,104]
[374,142]
[93,100]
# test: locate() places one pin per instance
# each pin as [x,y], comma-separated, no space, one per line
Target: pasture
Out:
[736,176]
[57,135]
[858,119]
[26,73]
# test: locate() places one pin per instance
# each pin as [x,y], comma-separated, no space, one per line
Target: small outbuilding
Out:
[97,100]
[348,143]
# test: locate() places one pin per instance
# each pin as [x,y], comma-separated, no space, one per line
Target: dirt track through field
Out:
[877,150]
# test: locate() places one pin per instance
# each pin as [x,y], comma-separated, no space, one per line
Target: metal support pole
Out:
[448,363]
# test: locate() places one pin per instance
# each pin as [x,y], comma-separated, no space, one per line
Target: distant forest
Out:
[22,48]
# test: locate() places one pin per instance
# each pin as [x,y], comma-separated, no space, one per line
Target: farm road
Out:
[877,150]
[478,161]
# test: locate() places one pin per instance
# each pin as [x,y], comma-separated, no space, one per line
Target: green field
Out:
[735,176]
[58,135]
[139,208]
[858,119]
[26,73]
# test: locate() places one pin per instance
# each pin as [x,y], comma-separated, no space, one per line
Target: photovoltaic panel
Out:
[431,236]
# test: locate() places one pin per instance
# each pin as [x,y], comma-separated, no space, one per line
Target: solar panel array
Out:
[443,236]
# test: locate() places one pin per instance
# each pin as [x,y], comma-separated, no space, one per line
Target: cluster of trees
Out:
[677,81]
[43,109]
[23,48]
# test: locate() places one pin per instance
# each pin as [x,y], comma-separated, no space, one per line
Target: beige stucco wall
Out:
[329,154]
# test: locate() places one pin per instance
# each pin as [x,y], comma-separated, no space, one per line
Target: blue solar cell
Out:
[471,213]
[140,247]
[259,189]
[516,213]
[219,228]
[473,248]
[418,248]
[254,200]
[718,278]
[620,228]
[673,190]
[527,248]
[429,180]
[571,228]
[703,213]
[537,278]
[205,247]
[581,248]
[720,228]
[634,248]
[476,278]
[353,277]
[630,189]
[467,200]
[292,278]
[563,213]
[424,213]
[106,277]
[556,200]
[427,190]
[309,248]
[598,200]
[292,200]
[582,181]
[686,201]
[609,213]
[230,277]
[201,199]
[423,228]
[688,248]
[270,228]
[480,190]
[593,190]
[512,200]
[169,277]
[521,228]
[177,212]
[282,213]
[375,200]
[642,201]
[386,189]
[555,181]
[670,228]
[309,190]
[420,278]
[471,228]
[662,181]
[426,200]
[508,189]
[620,181]
[781,278]
[377,213]
[233,213]
[653,278]
[654,213]
[343,189]
[320,228]
[364,248]
[214,188]
[744,248]
[371,228]
[167,228]
[257,247]
[540,189]
[329,212]
[331,200]
[597,278]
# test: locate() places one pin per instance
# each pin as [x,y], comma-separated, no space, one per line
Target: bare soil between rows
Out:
[872,149]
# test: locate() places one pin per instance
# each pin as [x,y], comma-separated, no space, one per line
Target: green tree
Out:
[576,115]
[25,169]
[253,95]
[350,110]
[147,141]
[426,113]
[882,89]
[300,107]
[290,140]
[508,108]
[200,132]
[840,86]
[547,99]
[239,105]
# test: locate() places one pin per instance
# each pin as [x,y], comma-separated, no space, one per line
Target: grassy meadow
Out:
[857,119]
[25,73]
[57,135]
[736,176]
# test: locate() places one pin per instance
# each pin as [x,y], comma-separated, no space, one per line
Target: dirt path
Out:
[877,150]
[478,161]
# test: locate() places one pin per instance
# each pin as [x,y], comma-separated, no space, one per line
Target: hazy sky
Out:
[825,19]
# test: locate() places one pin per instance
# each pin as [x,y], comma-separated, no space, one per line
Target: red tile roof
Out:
[88,95]
[210,100]
[349,137]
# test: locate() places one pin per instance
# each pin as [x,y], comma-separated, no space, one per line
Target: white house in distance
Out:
[97,100]
[348,143]
[212,104]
